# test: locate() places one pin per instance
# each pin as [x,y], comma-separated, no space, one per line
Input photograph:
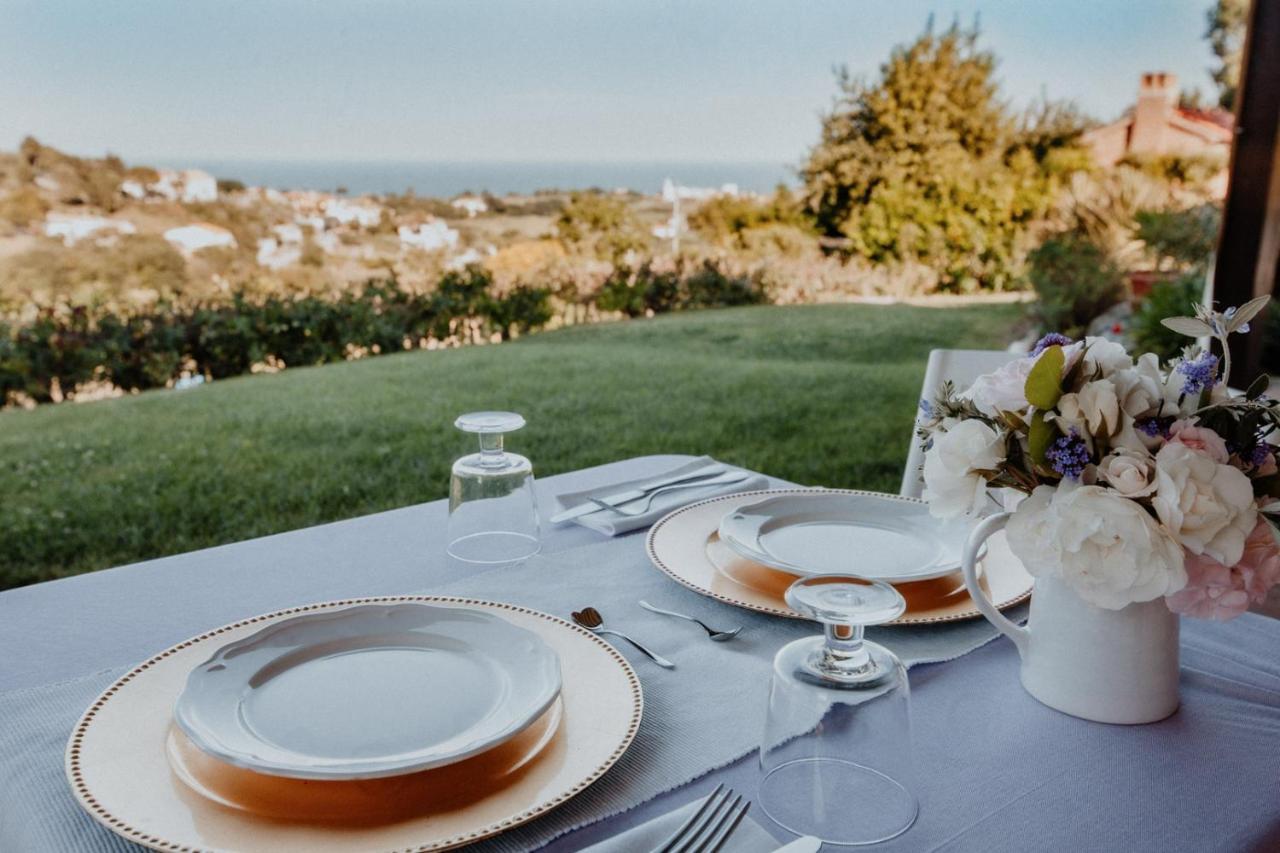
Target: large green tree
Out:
[926,164]
[1228,20]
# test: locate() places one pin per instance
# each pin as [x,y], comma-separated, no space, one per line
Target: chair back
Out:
[960,366]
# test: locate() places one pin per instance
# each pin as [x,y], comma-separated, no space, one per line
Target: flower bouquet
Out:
[1133,492]
[1142,481]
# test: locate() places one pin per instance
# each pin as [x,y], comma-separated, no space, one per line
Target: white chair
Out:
[960,366]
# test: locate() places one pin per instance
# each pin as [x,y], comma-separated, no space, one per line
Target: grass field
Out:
[817,394]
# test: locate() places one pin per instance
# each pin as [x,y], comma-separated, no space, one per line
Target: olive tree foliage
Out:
[927,165]
[1228,20]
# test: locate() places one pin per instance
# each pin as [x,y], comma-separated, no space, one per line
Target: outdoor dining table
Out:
[997,770]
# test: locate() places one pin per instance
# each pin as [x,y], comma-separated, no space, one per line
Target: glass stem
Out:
[844,651]
[491,450]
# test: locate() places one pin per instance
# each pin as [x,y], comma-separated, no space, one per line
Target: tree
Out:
[600,224]
[926,165]
[1228,20]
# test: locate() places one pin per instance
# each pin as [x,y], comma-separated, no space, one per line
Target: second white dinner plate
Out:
[368,691]
[881,537]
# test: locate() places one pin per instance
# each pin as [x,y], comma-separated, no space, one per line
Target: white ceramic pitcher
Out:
[1111,666]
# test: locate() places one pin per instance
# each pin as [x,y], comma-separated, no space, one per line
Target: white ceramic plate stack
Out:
[400,723]
[369,691]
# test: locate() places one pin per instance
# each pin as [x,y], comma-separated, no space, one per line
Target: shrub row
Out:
[67,347]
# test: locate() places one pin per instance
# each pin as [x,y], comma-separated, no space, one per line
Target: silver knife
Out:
[808,844]
[587,507]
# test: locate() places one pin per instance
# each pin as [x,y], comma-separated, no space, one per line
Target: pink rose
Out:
[1205,440]
[1214,591]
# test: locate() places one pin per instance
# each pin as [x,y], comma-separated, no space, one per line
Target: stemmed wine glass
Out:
[836,757]
[493,514]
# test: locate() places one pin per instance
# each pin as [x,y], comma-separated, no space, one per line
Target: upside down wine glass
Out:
[836,757]
[493,515]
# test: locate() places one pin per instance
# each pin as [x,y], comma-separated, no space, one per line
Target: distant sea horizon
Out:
[449,178]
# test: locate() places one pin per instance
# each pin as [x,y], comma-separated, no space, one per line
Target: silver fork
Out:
[722,480]
[708,828]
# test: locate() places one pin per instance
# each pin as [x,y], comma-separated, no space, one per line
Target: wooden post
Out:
[1250,240]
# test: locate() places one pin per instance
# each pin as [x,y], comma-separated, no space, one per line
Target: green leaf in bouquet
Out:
[1247,312]
[1044,382]
[1258,388]
[1187,326]
[1040,435]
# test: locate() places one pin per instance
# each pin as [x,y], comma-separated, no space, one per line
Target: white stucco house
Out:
[672,192]
[472,204]
[431,236]
[190,239]
[347,212]
[275,255]
[198,186]
[71,228]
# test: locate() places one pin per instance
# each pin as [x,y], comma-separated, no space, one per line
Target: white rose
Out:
[1140,389]
[1003,390]
[1208,506]
[1131,474]
[1106,548]
[952,484]
[1094,409]
[1106,356]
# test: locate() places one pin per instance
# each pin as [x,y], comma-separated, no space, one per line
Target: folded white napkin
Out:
[749,837]
[612,523]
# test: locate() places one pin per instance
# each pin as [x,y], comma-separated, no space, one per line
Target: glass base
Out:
[499,546]
[838,801]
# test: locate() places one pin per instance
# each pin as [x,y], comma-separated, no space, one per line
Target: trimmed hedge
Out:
[67,347]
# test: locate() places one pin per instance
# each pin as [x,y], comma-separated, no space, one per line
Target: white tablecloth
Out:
[998,770]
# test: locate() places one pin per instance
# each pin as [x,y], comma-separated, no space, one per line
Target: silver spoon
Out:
[716,636]
[590,618]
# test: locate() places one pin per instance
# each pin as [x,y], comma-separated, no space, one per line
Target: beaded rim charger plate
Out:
[685,545]
[134,771]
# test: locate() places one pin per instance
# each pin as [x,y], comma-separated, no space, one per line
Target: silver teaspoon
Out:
[716,636]
[590,618]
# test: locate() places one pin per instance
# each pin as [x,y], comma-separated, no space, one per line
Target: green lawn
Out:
[817,394]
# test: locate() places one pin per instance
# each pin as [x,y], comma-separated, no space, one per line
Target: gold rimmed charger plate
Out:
[135,773]
[685,546]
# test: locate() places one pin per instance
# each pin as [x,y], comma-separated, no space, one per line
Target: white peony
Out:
[1107,548]
[1131,474]
[1003,390]
[952,484]
[1093,410]
[1208,506]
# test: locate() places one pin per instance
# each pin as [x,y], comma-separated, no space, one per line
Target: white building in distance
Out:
[190,186]
[364,214]
[472,204]
[672,192]
[429,236]
[190,239]
[71,228]
[275,255]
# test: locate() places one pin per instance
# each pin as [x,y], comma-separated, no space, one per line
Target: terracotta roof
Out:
[1215,116]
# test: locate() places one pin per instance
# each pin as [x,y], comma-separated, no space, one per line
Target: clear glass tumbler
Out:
[836,757]
[493,514]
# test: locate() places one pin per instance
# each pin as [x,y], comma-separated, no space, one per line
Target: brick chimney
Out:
[1157,99]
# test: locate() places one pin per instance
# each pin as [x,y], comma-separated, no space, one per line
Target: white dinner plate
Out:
[881,537]
[368,691]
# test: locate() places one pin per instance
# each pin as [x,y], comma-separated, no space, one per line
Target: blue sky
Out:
[594,80]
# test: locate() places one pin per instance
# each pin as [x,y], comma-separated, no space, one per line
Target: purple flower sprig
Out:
[1049,340]
[1199,373]
[1068,455]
